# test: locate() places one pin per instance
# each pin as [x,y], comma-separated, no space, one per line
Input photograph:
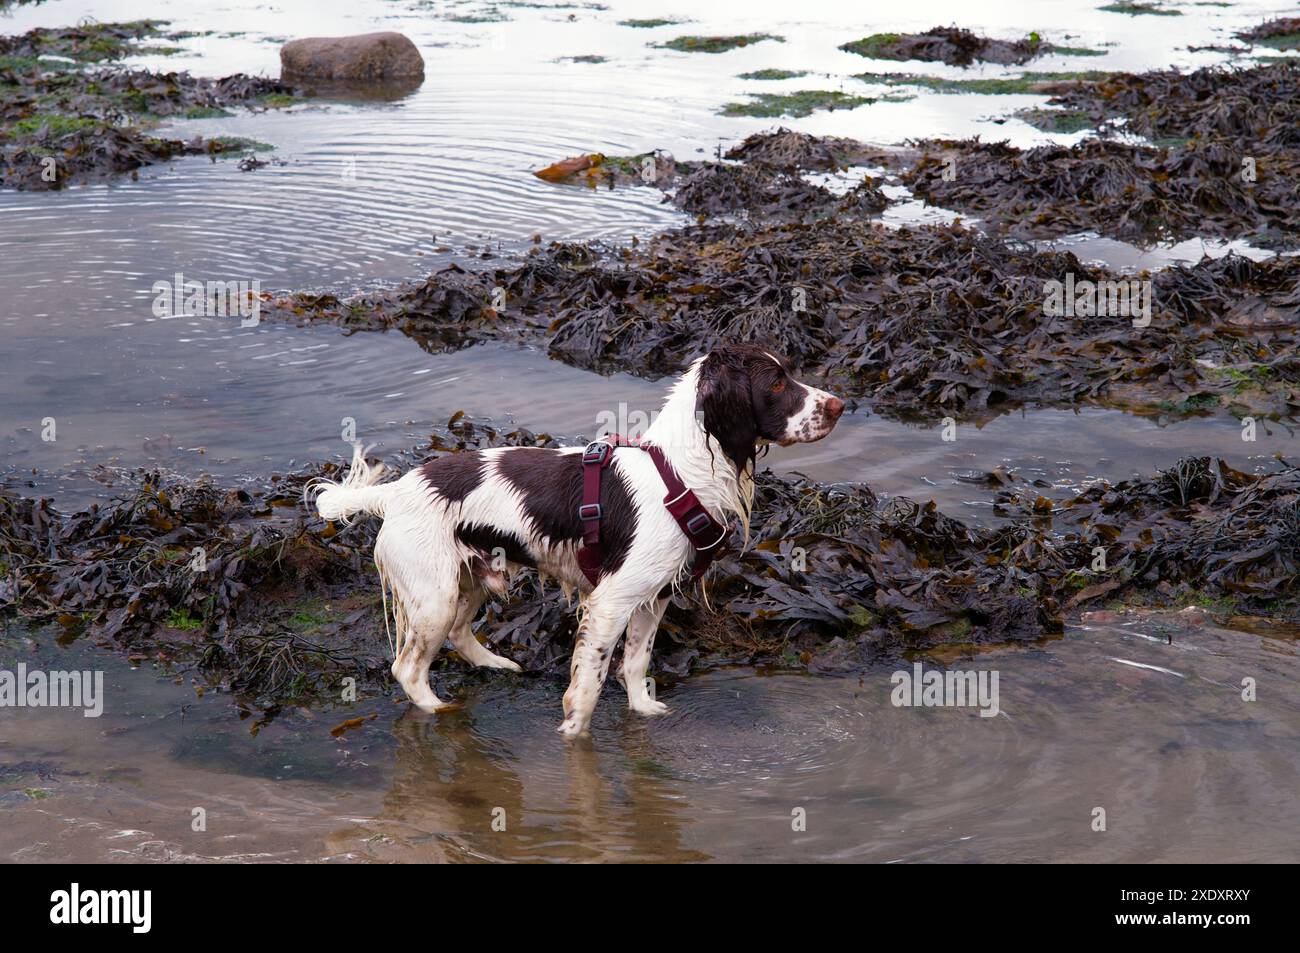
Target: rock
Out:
[369,56]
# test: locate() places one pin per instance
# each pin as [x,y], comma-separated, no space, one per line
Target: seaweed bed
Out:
[928,321]
[1225,161]
[1133,193]
[64,119]
[286,605]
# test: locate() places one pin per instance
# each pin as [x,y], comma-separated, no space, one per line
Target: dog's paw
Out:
[506,665]
[650,707]
[571,728]
[437,707]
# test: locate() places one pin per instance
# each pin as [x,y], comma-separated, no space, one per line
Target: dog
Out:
[447,524]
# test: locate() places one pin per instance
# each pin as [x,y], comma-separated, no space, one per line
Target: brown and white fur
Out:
[445,522]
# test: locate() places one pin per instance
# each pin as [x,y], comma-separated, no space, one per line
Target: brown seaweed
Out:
[833,575]
[1256,106]
[717,189]
[790,151]
[1131,192]
[1224,161]
[930,320]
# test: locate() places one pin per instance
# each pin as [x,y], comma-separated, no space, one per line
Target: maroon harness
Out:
[705,533]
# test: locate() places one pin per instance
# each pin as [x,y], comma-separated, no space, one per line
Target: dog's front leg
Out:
[641,630]
[602,624]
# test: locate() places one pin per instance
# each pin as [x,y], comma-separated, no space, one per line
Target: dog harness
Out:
[704,532]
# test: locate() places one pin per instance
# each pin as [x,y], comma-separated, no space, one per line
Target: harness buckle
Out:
[589,511]
[595,453]
[698,523]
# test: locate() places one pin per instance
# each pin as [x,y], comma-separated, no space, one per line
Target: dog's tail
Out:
[356,494]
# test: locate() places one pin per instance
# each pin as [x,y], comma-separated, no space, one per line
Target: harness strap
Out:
[706,535]
[595,458]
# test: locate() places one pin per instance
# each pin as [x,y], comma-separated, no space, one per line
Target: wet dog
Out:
[450,525]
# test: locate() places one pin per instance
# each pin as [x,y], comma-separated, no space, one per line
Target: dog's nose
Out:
[834,407]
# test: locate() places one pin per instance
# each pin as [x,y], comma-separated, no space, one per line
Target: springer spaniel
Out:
[444,521]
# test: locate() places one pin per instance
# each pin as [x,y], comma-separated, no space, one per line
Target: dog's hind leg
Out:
[462,636]
[424,593]
[424,636]
[641,630]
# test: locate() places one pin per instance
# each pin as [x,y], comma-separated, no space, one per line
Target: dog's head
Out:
[748,397]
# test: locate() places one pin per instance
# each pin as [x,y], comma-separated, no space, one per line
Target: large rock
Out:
[369,56]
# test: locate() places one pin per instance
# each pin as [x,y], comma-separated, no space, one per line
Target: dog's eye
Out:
[778,385]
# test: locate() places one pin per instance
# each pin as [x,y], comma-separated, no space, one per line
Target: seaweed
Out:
[765,185]
[648,23]
[285,606]
[798,151]
[1131,192]
[1258,106]
[918,320]
[717,188]
[1199,522]
[82,123]
[1134,8]
[1282,33]
[951,45]
[86,43]
[214,578]
[87,150]
[797,104]
[1223,161]
[1029,82]
[771,73]
[1075,51]
[595,170]
[1056,120]
[715,44]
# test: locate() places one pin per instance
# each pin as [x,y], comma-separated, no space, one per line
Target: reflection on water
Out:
[457,777]
[1141,715]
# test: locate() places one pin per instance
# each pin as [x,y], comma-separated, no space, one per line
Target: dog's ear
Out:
[725,400]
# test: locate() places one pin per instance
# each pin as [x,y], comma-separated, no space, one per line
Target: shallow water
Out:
[1140,716]
[282,394]
[1185,770]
